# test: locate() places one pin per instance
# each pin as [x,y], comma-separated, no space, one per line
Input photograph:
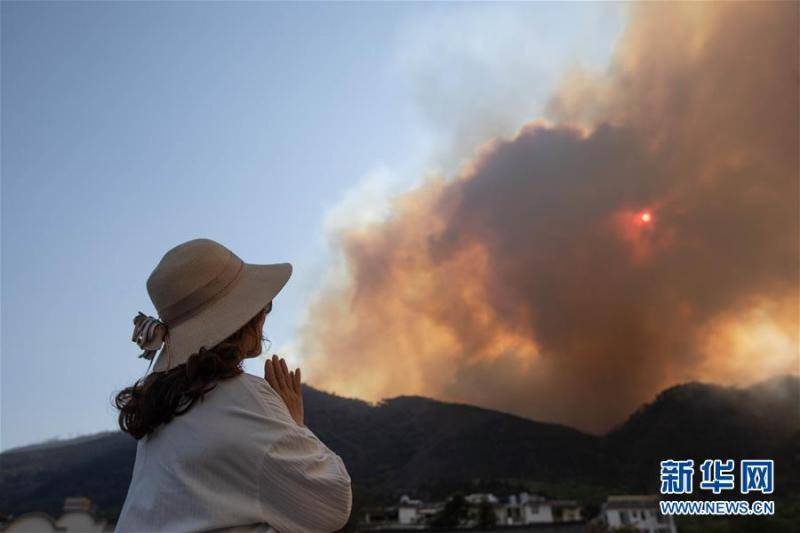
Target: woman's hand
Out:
[287,385]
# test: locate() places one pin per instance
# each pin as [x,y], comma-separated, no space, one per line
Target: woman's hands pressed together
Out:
[287,385]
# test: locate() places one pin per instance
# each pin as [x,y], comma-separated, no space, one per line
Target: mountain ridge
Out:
[407,443]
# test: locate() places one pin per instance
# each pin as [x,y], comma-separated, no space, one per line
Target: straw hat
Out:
[203,293]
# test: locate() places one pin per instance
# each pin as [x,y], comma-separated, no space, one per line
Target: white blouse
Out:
[236,461]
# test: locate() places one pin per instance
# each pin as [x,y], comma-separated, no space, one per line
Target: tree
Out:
[454,510]
[486,516]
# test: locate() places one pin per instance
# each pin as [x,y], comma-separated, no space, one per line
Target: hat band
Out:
[205,295]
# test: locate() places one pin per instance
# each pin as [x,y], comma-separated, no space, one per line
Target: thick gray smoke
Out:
[646,234]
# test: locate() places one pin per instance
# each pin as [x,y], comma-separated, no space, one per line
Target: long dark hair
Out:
[161,396]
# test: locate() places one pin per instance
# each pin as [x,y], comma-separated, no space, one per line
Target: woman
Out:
[220,449]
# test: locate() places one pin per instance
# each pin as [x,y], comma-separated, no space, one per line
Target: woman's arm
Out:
[303,485]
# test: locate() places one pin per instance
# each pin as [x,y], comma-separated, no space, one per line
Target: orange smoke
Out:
[569,273]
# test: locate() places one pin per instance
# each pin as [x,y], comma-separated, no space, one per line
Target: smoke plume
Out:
[645,234]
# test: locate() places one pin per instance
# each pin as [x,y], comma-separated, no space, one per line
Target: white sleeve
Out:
[303,486]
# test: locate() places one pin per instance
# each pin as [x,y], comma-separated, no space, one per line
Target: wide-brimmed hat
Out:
[203,293]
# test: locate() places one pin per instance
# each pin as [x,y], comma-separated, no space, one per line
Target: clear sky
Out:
[128,128]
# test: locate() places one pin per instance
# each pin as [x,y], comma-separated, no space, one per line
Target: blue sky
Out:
[128,128]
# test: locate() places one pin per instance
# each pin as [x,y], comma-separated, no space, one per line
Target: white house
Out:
[477,500]
[636,512]
[408,510]
[519,509]
[566,511]
[481,497]
[535,509]
[413,512]
[76,516]
[524,509]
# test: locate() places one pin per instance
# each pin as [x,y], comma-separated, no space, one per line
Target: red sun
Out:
[646,217]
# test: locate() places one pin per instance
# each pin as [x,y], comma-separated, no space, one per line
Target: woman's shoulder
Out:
[250,388]
[254,400]
[250,380]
